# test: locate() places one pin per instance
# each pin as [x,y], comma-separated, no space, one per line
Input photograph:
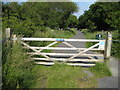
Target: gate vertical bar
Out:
[108,45]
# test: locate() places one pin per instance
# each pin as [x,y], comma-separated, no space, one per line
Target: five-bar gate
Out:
[72,58]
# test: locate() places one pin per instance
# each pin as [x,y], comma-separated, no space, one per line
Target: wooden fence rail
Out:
[100,45]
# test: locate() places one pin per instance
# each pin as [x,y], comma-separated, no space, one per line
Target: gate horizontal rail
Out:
[81,52]
[60,39]
[62,48]
[104,45]
[63,59]
[64,54]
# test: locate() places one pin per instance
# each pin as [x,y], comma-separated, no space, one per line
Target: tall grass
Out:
[17,70]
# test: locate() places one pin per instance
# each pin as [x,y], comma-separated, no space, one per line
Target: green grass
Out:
[100,70]
[63,76]
[17,70]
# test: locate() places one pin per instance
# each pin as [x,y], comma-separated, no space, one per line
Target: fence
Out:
[101,45]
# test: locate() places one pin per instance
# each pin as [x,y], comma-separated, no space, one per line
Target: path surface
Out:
[106,82]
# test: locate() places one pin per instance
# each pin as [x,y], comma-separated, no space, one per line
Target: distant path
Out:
[105,82]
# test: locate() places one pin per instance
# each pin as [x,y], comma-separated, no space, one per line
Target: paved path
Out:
[106,82]
[112,81]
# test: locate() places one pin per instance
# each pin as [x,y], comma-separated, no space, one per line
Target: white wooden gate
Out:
[72,60]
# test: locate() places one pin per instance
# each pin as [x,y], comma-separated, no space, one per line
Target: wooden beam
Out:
[56,39]
[45,63]
[63,59]
[73,64]
[62,48]
[69,44]
[80,64]
[108,44]
[84,51]
[48,46]
[64,54]
[35,50]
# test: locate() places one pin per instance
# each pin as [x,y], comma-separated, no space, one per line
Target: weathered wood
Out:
[80,64]
[55,39]
[108,45]
[35,50]
[63,48]
[47,46]
[64,54]
[63,59]
[45,63]
[69,44]
[84,51]
[73,64]
[14,38]
[8,33]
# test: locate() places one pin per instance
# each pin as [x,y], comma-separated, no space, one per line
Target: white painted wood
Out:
[63,59]
[55,39]
[68,44]
[84,51]
[35,50]
[45,63]
[62,48]
[80,64]
[47,46]
[73,64]
[65,54]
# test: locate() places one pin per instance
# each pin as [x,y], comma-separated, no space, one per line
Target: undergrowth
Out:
[100,70]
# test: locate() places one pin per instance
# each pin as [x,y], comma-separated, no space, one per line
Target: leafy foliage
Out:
[72,21]
[27,18]
[101,16]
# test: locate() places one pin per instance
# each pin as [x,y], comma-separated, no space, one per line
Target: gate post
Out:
[108,44]
[8,33]
[8,36]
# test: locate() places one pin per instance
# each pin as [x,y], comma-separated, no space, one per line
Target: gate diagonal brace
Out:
[83,51]
[37,51]
[68,44]
[48,46]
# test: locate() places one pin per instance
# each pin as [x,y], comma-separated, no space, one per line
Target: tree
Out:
[72,21]
[105,16]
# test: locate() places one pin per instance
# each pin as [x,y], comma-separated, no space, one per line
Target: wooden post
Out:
[8,36]
[14,38]
[8,33]
[108,44]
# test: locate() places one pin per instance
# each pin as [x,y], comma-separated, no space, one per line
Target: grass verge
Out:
[100,70]
[63,76]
